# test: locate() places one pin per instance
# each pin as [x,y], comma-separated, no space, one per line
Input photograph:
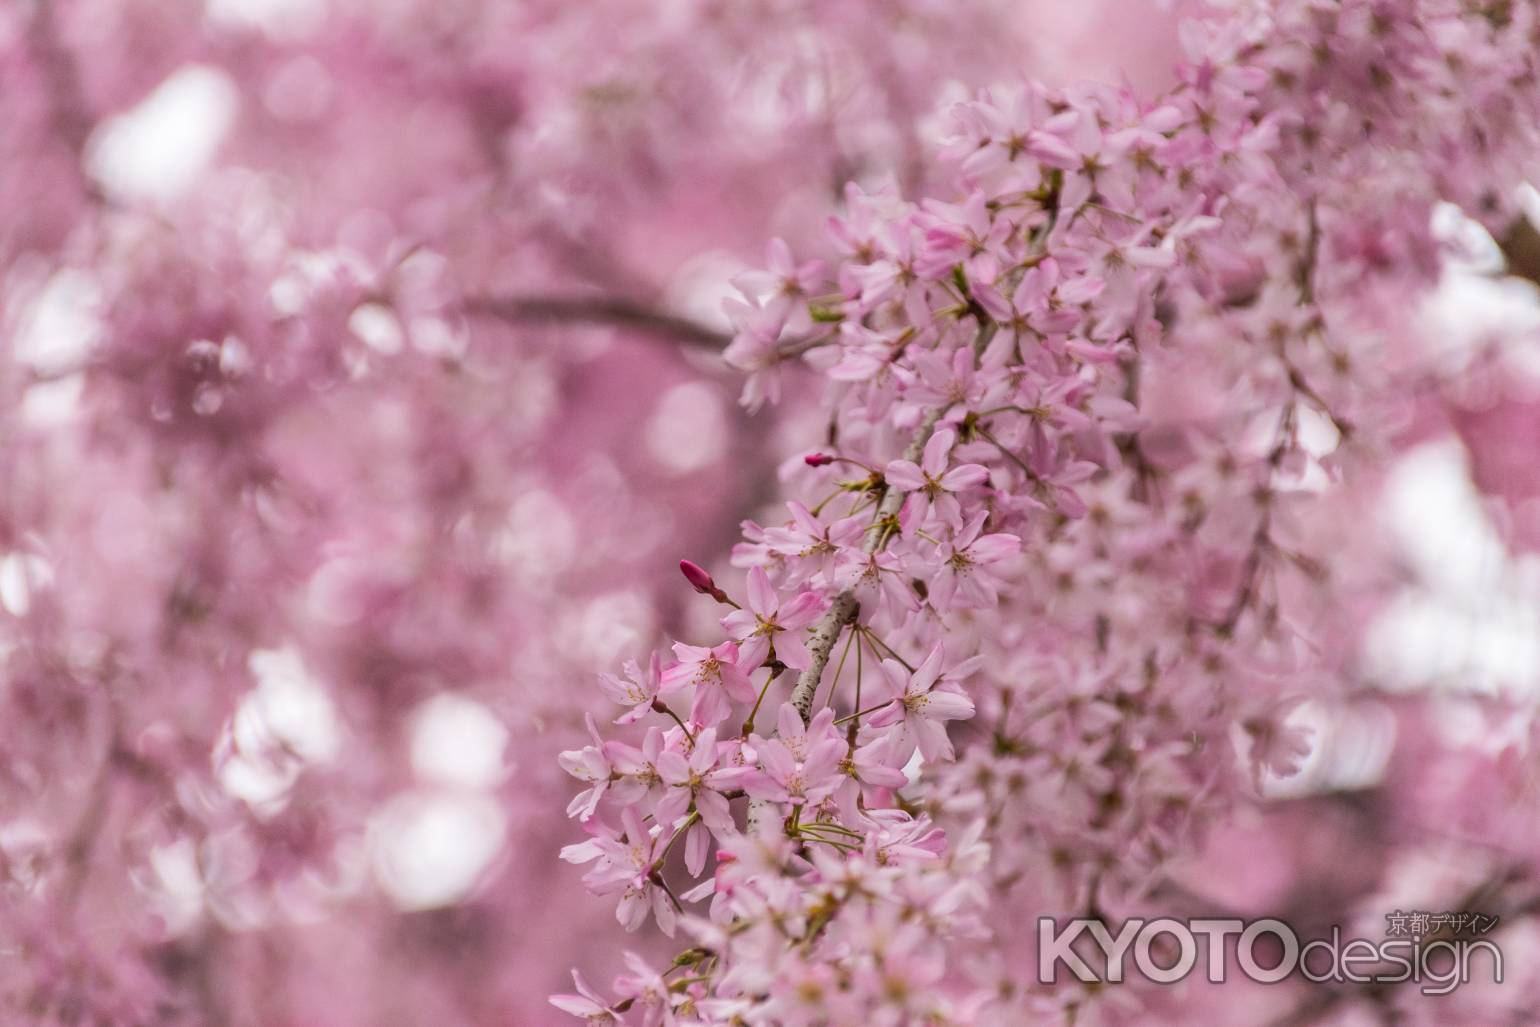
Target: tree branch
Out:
[66,100]
[1521,249]
[610,310]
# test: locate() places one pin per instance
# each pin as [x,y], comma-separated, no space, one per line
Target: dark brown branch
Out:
[610,310]
[1521,248]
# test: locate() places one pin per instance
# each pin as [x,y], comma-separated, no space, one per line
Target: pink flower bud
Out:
[818,459]
[696,575]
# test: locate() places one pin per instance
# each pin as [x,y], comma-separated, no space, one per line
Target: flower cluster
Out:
[1014,471]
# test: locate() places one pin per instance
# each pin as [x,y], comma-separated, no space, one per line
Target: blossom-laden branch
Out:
[845,607]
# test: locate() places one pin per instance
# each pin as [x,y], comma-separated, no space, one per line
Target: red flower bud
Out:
[818,459]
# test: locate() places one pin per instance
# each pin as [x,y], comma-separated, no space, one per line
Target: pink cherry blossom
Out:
[638,690]
[591,764]
[931,485]
[818,546]
[625,862]
[866,772]
[587,1003]
[695,782]
[801,765]
[963,234]
[715,676]
[965,576]
[920,709]
[766,623]
[785,287]
[647,988]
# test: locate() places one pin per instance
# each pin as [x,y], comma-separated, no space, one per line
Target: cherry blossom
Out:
[638,690]
[919,709]
[587,1004]
[696,783]
[714,674]
[964,575]
[626,863]
[765,618]
[800,765]
[931,485]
